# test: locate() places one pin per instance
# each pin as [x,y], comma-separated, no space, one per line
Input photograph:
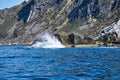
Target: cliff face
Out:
[85,9]
[24,22]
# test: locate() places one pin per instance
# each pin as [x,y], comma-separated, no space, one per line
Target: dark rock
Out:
[110,38]
[24,13]
[59,1]
[92,8]
[63,37]
[75,38]
[34,9]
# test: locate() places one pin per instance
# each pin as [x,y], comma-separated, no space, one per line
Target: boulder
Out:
[110,34]
[63,38]
[110,38]
[75,38]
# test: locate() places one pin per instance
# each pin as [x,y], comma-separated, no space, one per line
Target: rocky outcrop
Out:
[110,34]
[24,13]
[77,39]
[12,33]
[85,9]
[74,39]
[110,38]
[72,21]
[36,8]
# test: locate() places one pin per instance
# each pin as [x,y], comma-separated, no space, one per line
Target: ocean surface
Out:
[25,63]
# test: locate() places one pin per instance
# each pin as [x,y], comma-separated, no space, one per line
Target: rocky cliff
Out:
[72,21]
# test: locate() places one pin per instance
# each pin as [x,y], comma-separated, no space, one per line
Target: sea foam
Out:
[47,40]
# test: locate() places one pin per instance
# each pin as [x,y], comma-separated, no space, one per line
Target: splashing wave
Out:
[47,40]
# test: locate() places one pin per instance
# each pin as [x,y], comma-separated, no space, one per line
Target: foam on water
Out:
[48,41]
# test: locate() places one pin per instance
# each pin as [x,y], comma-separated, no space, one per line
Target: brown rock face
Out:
[72,21]
[77,39]
[74,39]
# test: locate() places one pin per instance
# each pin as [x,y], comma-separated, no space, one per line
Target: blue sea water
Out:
[25,63]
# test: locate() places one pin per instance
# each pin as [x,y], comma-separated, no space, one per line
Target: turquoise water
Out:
[24,63]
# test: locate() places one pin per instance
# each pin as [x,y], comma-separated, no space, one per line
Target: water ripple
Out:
[24,63]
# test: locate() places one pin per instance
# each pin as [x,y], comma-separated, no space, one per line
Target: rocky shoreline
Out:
[108,36]
[4,43]
[74,22]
